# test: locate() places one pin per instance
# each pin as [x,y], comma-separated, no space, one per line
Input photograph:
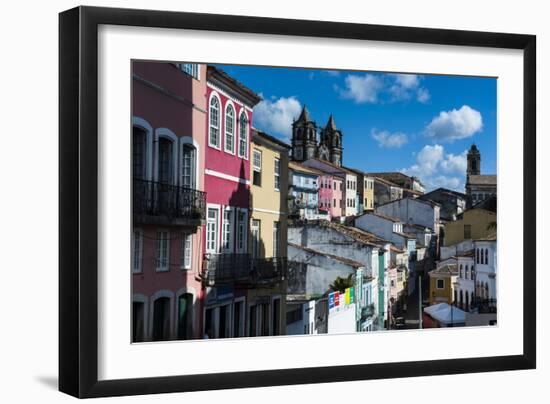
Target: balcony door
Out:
[165,178]
[188,166]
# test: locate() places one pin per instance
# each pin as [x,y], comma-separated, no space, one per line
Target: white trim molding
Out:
[228,177]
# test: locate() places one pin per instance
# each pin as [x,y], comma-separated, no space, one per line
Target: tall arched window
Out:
[486,256]
[461,274]
[214,124]
[477,255]
[188,166]
[243,135]
[139,148]
[461,299]
[482,259]
[229,128]
[466,273]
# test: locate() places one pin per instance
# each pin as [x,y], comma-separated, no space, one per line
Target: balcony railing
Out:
[170,202]
[243,269]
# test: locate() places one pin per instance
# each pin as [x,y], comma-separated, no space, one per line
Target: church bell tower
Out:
[304,137]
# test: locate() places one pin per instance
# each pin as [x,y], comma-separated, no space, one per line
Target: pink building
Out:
[169,207]
[338,197]
[330,195]
[227,185]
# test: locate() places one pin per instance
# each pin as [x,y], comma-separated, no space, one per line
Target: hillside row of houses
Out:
[237,234]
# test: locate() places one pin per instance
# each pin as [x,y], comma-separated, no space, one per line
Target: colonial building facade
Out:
[168,149]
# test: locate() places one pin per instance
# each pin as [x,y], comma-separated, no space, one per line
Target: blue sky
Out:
[418,124]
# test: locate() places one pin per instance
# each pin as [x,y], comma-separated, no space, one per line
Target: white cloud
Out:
[388,139]
[455,124]
[423,95]
[332,73]
[407,86]
[361,88]
[455,163]
[275,116]
[371,88]
[435,168]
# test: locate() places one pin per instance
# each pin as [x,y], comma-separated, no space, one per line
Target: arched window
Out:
[472,300]
[214,124]
[188,166]
[477,255]
[243,135]
[229,128]
[139,150]
[461,274]
[461,299]
[466,273]
[482,258]
[486,256]
[467,304]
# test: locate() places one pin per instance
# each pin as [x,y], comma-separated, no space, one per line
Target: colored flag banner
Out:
[336,299]
[331,300]
[352,295]
[347,296]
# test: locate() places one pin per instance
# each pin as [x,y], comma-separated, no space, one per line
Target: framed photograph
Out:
[249,201]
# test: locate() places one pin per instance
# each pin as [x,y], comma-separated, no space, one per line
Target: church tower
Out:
[474,161]
[304,137]
[330,147]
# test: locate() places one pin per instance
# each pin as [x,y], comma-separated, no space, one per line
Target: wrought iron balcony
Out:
[242,269]
[158,203]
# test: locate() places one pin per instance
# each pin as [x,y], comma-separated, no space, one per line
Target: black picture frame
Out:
[78,201]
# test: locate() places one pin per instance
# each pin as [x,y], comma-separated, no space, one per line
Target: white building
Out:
[388,228]
[413,211]
[354,244]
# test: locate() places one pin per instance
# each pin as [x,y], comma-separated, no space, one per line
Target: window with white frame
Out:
[191,69]
[277,173]
[188,166]
[212,231]
[229,128]
[243,135]
[227,242]
[257,167]
[137,250]
[214,122]
[163,251]
[186,250]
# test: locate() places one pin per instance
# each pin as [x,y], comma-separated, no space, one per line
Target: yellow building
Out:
[368,193]
[442,284]
[474,224]
[268,233]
